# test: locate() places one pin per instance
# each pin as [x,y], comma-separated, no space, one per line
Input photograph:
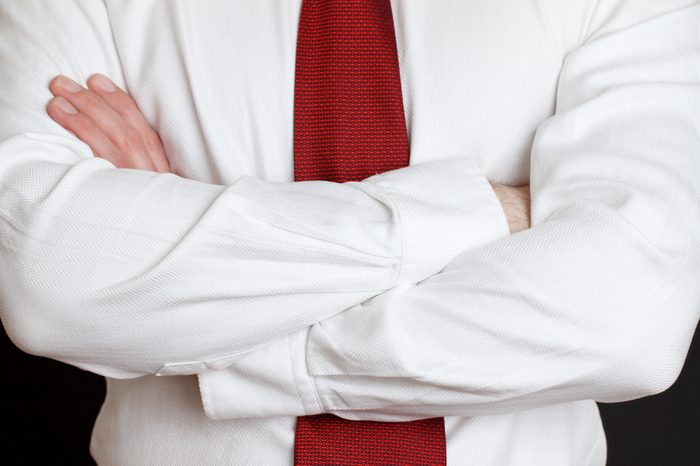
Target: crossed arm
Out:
[103,116]
[597,300]
[128,271]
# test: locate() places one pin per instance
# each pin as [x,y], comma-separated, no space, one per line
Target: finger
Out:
[66,115]
[125,106]
[91,105]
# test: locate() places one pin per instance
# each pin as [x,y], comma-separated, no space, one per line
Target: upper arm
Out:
[625,131]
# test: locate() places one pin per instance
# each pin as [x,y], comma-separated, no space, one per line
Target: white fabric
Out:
[399,297]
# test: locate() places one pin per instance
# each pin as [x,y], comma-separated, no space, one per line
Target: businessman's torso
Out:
[216,79]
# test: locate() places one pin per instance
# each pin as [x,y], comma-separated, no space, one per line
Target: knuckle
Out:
[122,101]
[120,160]
[153,142]
[87,99]
[132,142]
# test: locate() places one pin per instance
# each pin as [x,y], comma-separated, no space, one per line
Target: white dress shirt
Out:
[223,300]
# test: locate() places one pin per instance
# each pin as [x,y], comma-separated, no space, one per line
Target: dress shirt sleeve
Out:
[598,300]
[127,272]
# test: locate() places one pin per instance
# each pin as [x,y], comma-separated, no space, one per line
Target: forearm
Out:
[598,300]
[183,273]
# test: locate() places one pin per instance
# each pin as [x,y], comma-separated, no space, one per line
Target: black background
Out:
[49,409]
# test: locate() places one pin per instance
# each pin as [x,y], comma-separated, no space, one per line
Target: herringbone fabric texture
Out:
[349,124]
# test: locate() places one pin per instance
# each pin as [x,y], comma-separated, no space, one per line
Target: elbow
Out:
[63,330]
[34,330]
[26,335]
[654,357]
[653,377]
[40,316]
[646,367]
[25,329]
[669,320]
[653,343]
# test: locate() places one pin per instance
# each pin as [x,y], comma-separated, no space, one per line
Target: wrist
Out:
[516,204]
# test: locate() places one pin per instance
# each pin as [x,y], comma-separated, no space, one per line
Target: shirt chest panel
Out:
[216,78]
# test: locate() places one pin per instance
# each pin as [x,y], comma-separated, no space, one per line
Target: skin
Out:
[516,204]
[108,120]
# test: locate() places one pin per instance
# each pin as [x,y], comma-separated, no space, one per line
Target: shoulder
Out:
[574,22]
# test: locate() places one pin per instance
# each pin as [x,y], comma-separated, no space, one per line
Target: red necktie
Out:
[348,125]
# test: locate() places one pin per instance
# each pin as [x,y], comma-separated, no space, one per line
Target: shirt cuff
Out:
[457,210]
[268,381]
[445,207]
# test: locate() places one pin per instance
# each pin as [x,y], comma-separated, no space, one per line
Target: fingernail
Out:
[103,83]
[65,106]
[68,84]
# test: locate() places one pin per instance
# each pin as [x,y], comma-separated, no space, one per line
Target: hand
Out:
[516,204]
[108,120]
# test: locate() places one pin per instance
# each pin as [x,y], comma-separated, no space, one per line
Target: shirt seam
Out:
[550,29]
[117,52]
[589,22]
[387,198]
[297,383]
[204,396]
[402,239]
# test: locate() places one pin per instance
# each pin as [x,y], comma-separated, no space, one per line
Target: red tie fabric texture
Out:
[349,124]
